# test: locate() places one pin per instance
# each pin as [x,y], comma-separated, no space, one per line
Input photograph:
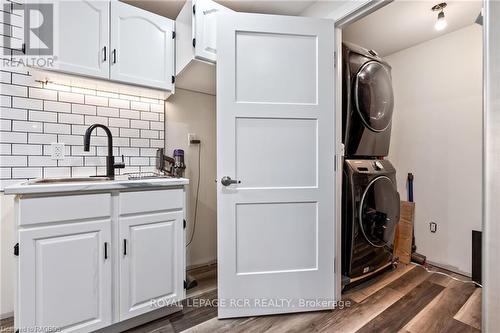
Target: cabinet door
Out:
[81,37]
[205,28]
[151,265]
[64,276]
[142,47]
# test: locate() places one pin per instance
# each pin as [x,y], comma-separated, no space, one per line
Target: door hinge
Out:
[16,249]
[173,79]
[335,59]
[184,223]
[194,9]
[194,42]
[173,34]
[185,284]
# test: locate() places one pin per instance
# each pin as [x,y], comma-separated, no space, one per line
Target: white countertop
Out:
[108,185]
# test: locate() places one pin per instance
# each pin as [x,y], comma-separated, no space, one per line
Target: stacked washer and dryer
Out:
[370,198]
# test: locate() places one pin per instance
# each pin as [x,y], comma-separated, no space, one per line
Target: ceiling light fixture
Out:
[441,21]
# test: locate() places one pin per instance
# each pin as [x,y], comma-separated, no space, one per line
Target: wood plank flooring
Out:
[405,300]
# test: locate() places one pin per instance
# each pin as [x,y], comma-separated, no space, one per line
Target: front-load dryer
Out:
[367,103]
[370,214]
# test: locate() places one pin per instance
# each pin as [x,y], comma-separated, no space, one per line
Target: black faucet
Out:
[110,160]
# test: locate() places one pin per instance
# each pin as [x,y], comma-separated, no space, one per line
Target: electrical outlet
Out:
[191,136]
[58,152]
[433,227]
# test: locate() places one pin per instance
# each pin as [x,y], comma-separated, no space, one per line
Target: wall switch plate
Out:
[58,151]
[191,136]
[433,227]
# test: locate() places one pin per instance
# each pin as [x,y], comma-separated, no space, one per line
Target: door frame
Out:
[491,167]
[340,23]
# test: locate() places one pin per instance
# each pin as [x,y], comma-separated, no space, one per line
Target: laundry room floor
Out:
[405,300]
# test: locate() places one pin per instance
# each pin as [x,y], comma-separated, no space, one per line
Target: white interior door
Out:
[275,135]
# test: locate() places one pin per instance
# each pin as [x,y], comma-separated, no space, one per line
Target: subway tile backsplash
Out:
[35,115]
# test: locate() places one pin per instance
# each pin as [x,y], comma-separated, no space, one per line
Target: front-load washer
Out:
[367,103]
[370,214]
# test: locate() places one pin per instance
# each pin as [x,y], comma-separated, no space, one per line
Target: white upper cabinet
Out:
[142,47]
[81,37]
[205,28]
[114,41]
[196,45]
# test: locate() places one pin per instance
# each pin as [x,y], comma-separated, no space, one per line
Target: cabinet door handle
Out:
[114,56]
[105,51]
[124,247]
[105,250]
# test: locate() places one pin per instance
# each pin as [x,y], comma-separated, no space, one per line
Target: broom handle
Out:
[410,199]
[410,187]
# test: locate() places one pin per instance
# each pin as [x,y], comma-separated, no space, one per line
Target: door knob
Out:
[226,181]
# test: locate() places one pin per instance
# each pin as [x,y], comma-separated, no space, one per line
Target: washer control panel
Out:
[371,166]
[377,165]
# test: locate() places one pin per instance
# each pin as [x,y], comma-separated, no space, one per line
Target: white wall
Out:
[437,135]
[192,112]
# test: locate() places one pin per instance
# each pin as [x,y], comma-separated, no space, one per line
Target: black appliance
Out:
[368,103]
[370,209]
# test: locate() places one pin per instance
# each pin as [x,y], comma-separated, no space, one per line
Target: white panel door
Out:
[81,37]
[205,28]
[65,276]
[142,47]
[275,139]
[151,262]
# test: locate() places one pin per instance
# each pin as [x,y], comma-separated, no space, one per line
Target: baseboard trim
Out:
[6,315]
[196,266]
[449,268]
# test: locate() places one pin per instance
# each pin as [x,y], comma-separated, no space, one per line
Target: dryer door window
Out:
[379,212]
[373,96]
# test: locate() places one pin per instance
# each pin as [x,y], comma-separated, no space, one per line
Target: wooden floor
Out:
[405,300]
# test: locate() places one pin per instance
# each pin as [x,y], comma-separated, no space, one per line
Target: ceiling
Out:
[403,24]
[171,8]
[167,8]
[294,7]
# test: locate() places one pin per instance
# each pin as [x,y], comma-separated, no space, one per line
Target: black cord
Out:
[196,199]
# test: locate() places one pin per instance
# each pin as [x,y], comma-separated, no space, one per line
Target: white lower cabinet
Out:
[64,277]
[69,245]
[151,273]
